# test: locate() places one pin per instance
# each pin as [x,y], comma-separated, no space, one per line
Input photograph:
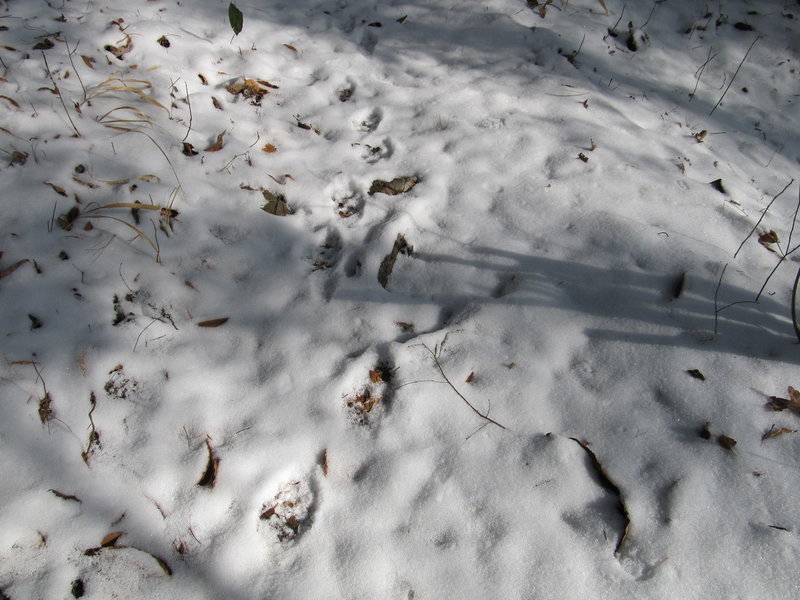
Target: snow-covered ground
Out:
[515,376]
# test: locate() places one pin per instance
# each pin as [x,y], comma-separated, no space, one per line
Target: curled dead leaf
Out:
[213,322]
[398,185]
[111,539]
[216,146]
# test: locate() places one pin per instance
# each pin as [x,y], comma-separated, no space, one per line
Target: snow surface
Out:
[310,447]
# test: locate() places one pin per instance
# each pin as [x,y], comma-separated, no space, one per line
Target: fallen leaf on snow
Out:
[269,148]
[276,204]
[773,433]
[398,185]
[216,146]
[213,322]
[111,539]
[121,50]
[792,402]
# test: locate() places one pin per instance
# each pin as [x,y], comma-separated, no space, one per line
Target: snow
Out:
[311,446]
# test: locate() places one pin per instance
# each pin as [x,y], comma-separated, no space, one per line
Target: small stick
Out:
[58,93]
[186,87]
[734,75]
[763,214]
[460,395]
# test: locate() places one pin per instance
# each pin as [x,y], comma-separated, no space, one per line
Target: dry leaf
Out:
[210,474]
[111,539]
[696,374]
[88,61]
[470,378]
[770,237]
[726,442]
[276,204]
[45,44]
[701,135]
[11,100]
[216,103]
[163,41]
[216,146]
[203,79]
[717,185]
[57,188]
[188,150]
[583,157]
[9,270]
[375,376]
[63,496]
[773,433]
[290,47]
[269,148]
[398,185]
[121,50]
[213,322]
[792,403]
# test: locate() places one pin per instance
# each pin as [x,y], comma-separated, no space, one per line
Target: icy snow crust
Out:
[309,446]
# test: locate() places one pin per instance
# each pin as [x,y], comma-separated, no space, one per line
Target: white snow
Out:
[564,270]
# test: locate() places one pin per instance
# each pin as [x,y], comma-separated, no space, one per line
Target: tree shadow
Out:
[629,305]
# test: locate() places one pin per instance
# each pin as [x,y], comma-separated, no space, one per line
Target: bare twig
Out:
[189,103]
[60,98]
[484,416]
[734,75]
[763,214]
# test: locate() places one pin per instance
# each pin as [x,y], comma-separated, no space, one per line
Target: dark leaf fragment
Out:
[696,374]
[63,496]
[726,442]
[387,264]
[236,18]
[188,150]
[398,185]
[717,185]
[210,474]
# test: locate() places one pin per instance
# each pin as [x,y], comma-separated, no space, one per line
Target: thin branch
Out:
[795,324]
[58,93]
[186,87]
[734,75]
[459,394]
[763,214]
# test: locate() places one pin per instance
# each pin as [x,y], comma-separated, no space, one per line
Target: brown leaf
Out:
[163,41]
[203,79]
[216,103]
[405,327]
[45,412]
[324,462]
[470,378]
[773,433]
[268,84]
[188,150]
[11,101]
[121,50]
[111,539]
[216,146]
[88,61]
[770,237]
[290,47]
[398,185]
[583,157]
[45,44]
[213,322]
[726,442]
[375,376]
[792,403]
[276,204]
[269,148]
[9,270]
[210,474]
[57,188]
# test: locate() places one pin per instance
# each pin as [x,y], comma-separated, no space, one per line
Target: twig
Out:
[77,74]
[186,87]
[734,75]
[795,324]
[459,394]
[699,73]
[58,93]
[763,214]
